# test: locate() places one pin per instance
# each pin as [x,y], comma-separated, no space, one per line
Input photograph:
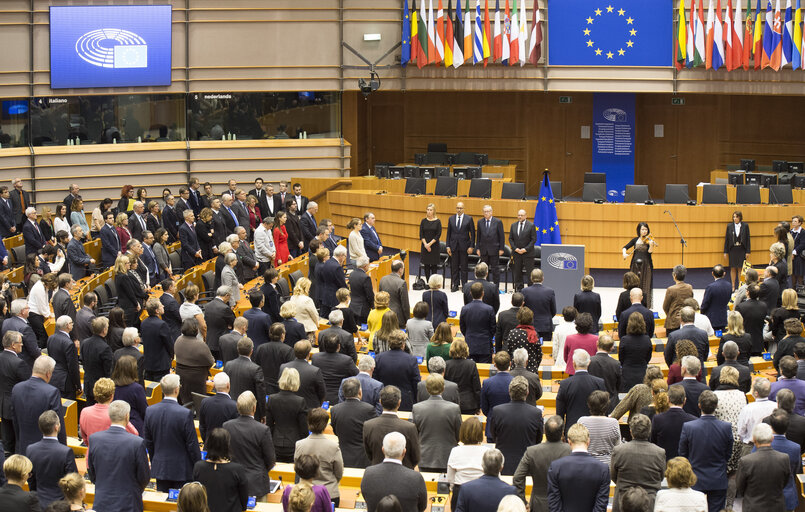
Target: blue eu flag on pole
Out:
[610,33]
[546,221]
[405,57]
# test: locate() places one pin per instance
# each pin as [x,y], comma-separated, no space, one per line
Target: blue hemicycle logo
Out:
[563,261]
[113,48]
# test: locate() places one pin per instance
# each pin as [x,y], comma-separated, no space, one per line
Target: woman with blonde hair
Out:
[189,309]
[77,216]
[389,323]
[464,372]
[660,403]
[430,231]
[73,487]
[735,332]
[438,310]
[639,397]
[17,469]
[440,342]
[46,224]
[679,497]
[374,320]
[355,240]
[789,309]
[98,215]
[777,259]
[306,312]
[122,228]
[205,234]
[286,415]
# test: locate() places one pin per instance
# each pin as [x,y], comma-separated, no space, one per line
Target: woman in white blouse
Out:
[189,309]
[679,497]
[60,221]
[464,463]
[39,306]
[355,242]
[306,313]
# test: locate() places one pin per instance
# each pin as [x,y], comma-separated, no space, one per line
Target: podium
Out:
[563,268]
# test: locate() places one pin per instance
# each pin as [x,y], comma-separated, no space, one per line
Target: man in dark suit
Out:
[31,234]
[84,317]
[637,463]
[495,389]
[244,375]
[311,380]
[259,322]
[334,366]
[507,320]
[636,296]
[398,368]
[32,397]
[131,347]
[97,357]
[491,290]
[331,279]
[220,319]
[730,351]
[477,324]
[137,224]
[770,289]
[371,240]
[171,219]
[110,241]
[520,369]
[489,242]
[604,366]
[301,201]
[787,345]
[438,422]
[51,459]
[347,419]
[394,284]
[778,421]
[666,427]
[754,313]
[170,438]
[516,425]
[541,300]
[231,188]
[77,256]
[578,482]
[219,225]
[18,322]
[763,474]
[370,387]
[717,296]
[307,221]
[345,339]
[693,388]
[171,315]
[260,194]
[571,400]
[246,258]
[707,443]
[194,199]
[13,370]
[460,244]
[20,200]
[437,366]
[117,462]
[62,302]
[251,445]
[536,461]
[149,258]
[388,476]
[191,250]
[795,431]
[7,225]
[270,356]
[522,238]
[183,201]
[375,430]
[687,331]
[362,296]
[66,375]
[157,345]
[217,409]
[485,492]
[229,214]
[75,193]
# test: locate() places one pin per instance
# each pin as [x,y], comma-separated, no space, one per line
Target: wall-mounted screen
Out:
[110,46]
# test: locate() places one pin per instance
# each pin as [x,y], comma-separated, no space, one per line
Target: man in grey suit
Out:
[84,317]
[375,430]
[515,425]
[335,367]
[61,301]
[438,422]
[436,366]
[397,289]
[347,343]
[522,238]
[239,207]
[251,445]
[370,388]
[519,369]
[347,419]
[228,343]
[77,256]
[246,258]
[638,463]
[391,477]
[244,375]
[763,474]
[536,461]
[18,322]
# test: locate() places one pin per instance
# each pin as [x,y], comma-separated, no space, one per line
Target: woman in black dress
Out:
[735,332]
[226,482]
[205,234]
[588,301]
[286,415]
[464,372]
[630,280]
[736,245]
[642,265]
[634,352]
[438,310]
[130,292]
[430,231]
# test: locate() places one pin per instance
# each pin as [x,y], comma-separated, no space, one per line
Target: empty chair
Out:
[446,186]
[18,255]
[636,194]
[176,263]
[594,192]
[284,289]
[747,194]
[295,276]
[595,177]
[714,194]
[415,186]
[676,194]
[481,187]
[513,191]
[556,189]
[780,194]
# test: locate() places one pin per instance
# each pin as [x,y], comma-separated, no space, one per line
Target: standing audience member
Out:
[571,400]
[666,427]
[193,362]
[693,388]
[793,335]
[270,356]
[217,409]
[680,496]
[331,463]
[796,423]
[251,445]
[74,489]
[17,469]
[516,425]
[578,481]
[584,340]
[362,294]
[688,331]
[375,430]
[370,387]
[566,327]
[779,420]
[347,419]
[637,463]
[491,290]
[18,322]
[436,366]
[675,296]
[129,390]
[588,301]
[634,351]
[754,314]
[507,320]
[218,319]
[307,468]
[395,367]
[537,460]
[245,375]
[477,324]
[730,352]
[420,330]
[717,296]
[636,297]
[29,399]
[519,369]
[394,284]
[495,390]
[524,336]
[13,370]
[465,461]
[97,357]
[754,412]
[51,460]
[485,492]
[66,376]
[390,476]
[225,481]
[763,474]
[436,299]
[158,348]
[334,366]
[438,422]
[604,431]
[311,380]
[286,415]
[541,300]
[789,380]
[606,367]
[96,417]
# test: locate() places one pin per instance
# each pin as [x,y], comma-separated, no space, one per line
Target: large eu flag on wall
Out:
[610,32]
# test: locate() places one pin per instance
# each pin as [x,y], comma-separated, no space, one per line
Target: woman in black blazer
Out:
[588,301]
[205,234]
[129,292]
[438,310]
[12,495]
[737,244]
[286,416]
[630,280]
[634,352]
[463,371]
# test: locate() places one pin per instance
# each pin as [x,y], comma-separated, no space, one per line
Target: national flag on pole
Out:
[708,51]
[757,38]
[728,28]
[507,29]
[433,54]
[487,34]
[535,42]
[788,35]
[422,38]
[796,55]
[448,35]
[737,36]
[497,41]
[700,50]
[681,42]
[458,38]
[773,45]
[514,52]
[749,34]
[406,36]
[523,40]
[546,221]
[439,35]
[467,32]
[478,43]
[718,38]
[690,39]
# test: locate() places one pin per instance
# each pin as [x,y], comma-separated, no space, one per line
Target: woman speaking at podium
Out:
[736,245]
[642,265]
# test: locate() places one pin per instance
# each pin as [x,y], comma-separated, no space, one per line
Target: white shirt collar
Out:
[170,398]
[393,461]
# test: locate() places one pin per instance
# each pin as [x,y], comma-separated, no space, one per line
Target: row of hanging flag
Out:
[443,39]
[771,41]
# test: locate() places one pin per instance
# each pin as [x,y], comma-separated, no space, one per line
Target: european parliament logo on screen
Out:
[110,46]
[610,33]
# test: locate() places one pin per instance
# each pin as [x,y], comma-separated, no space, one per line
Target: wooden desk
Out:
[602,228]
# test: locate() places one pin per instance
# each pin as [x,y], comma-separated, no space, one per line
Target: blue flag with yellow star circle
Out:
[610,33]
[546,222]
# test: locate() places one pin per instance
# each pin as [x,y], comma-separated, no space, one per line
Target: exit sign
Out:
[565,99]
[677,101]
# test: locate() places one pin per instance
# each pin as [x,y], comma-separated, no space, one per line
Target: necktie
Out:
[487,224]
[233,216]
[142,221]
[22,199]
[520,229]
[375,233]
[458,222]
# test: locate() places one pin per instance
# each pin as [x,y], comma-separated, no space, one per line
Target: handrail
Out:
[336,185]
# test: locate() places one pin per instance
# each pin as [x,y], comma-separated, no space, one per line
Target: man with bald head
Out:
[460,244]
[522,238]
[636,296]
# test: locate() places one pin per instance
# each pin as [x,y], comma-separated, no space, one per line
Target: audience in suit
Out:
[693,388]
[636,296]
[251,445]
[190,250]
[666,427]
[271,356]
[82,329]
[536,461]
[571,400]
[77,256]
[796,423]
[219,318]
[311,385]
[67,374]
[516,425]
[675,296]
[397,288]
[171,314]
[789,380]
[541,300]
[763,474]
[606,367]
[716,300]
[51,460]
[491,290]
[347,419]
[638,463]
[245,375]
[334,366]
[477,324]
[687,331]
[345,339]
[157,344]
[259,321]
[62,302]
[371,240]
[370,387]
[495,389]
[332,279]
[286,415]
[361,293]
[98,359]
[398,368]
[769,289]
[579,481]
[13,370]
[18,322]
[487,491]
[753,311]
[588,301]
[375,429]
[217,409]
[730,351]
[31,233]
[438,422]
[779,420]
[506,321]
[437,366]
[389,477]
[520,362]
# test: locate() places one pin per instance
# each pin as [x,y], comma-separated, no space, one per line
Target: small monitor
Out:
[714,194]
[556,188]
[796,167]
[438,158]
[475,172]
[412,171]
[735,178]
[467,173]
[779,166]
[416,186]
[753,178]
[441,172]
[382,170]
[676,193]
[594,192]
[595,177]
[781,194]
[396,172]
[446,186]
[419,158]
[481,187]
[427,172]
[798,181]
[785,178]
[768,179]
[748,164]
[482,159]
